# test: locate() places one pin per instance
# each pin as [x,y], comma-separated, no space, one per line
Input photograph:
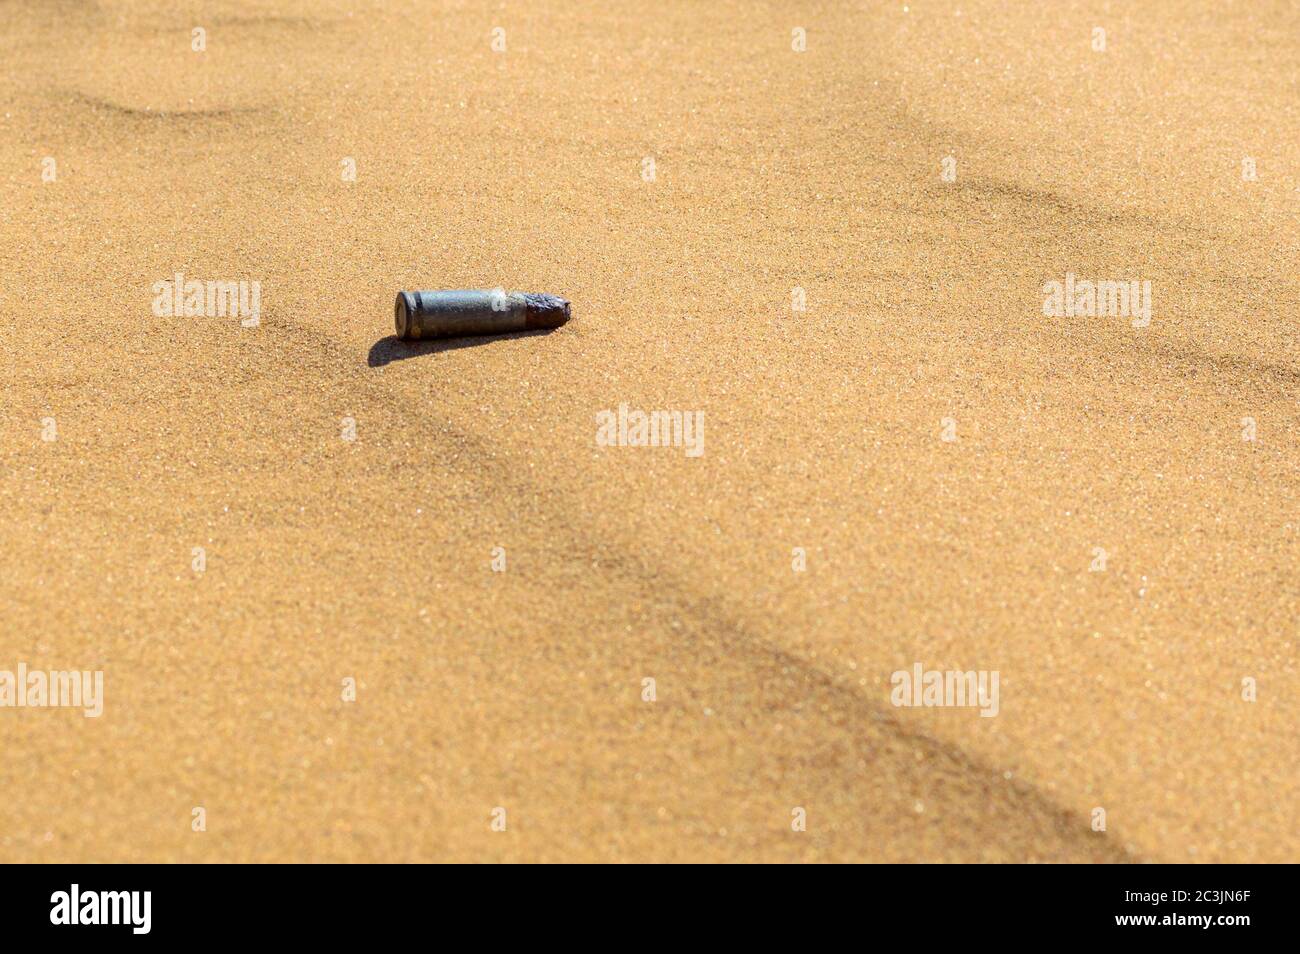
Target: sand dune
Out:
[776,173]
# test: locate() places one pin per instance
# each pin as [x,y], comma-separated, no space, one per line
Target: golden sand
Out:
[329,559]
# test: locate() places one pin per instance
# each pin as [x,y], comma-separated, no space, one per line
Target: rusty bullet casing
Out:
[419,315]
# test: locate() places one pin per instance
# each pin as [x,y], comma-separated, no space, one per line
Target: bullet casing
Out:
[419,315]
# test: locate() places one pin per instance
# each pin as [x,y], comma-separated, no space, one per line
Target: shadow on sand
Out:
[390,349]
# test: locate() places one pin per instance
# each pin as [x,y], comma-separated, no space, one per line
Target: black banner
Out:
[336,904]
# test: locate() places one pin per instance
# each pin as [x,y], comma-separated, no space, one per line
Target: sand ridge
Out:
[370,559]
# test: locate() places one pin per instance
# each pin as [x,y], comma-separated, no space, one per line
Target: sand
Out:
[327,559]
